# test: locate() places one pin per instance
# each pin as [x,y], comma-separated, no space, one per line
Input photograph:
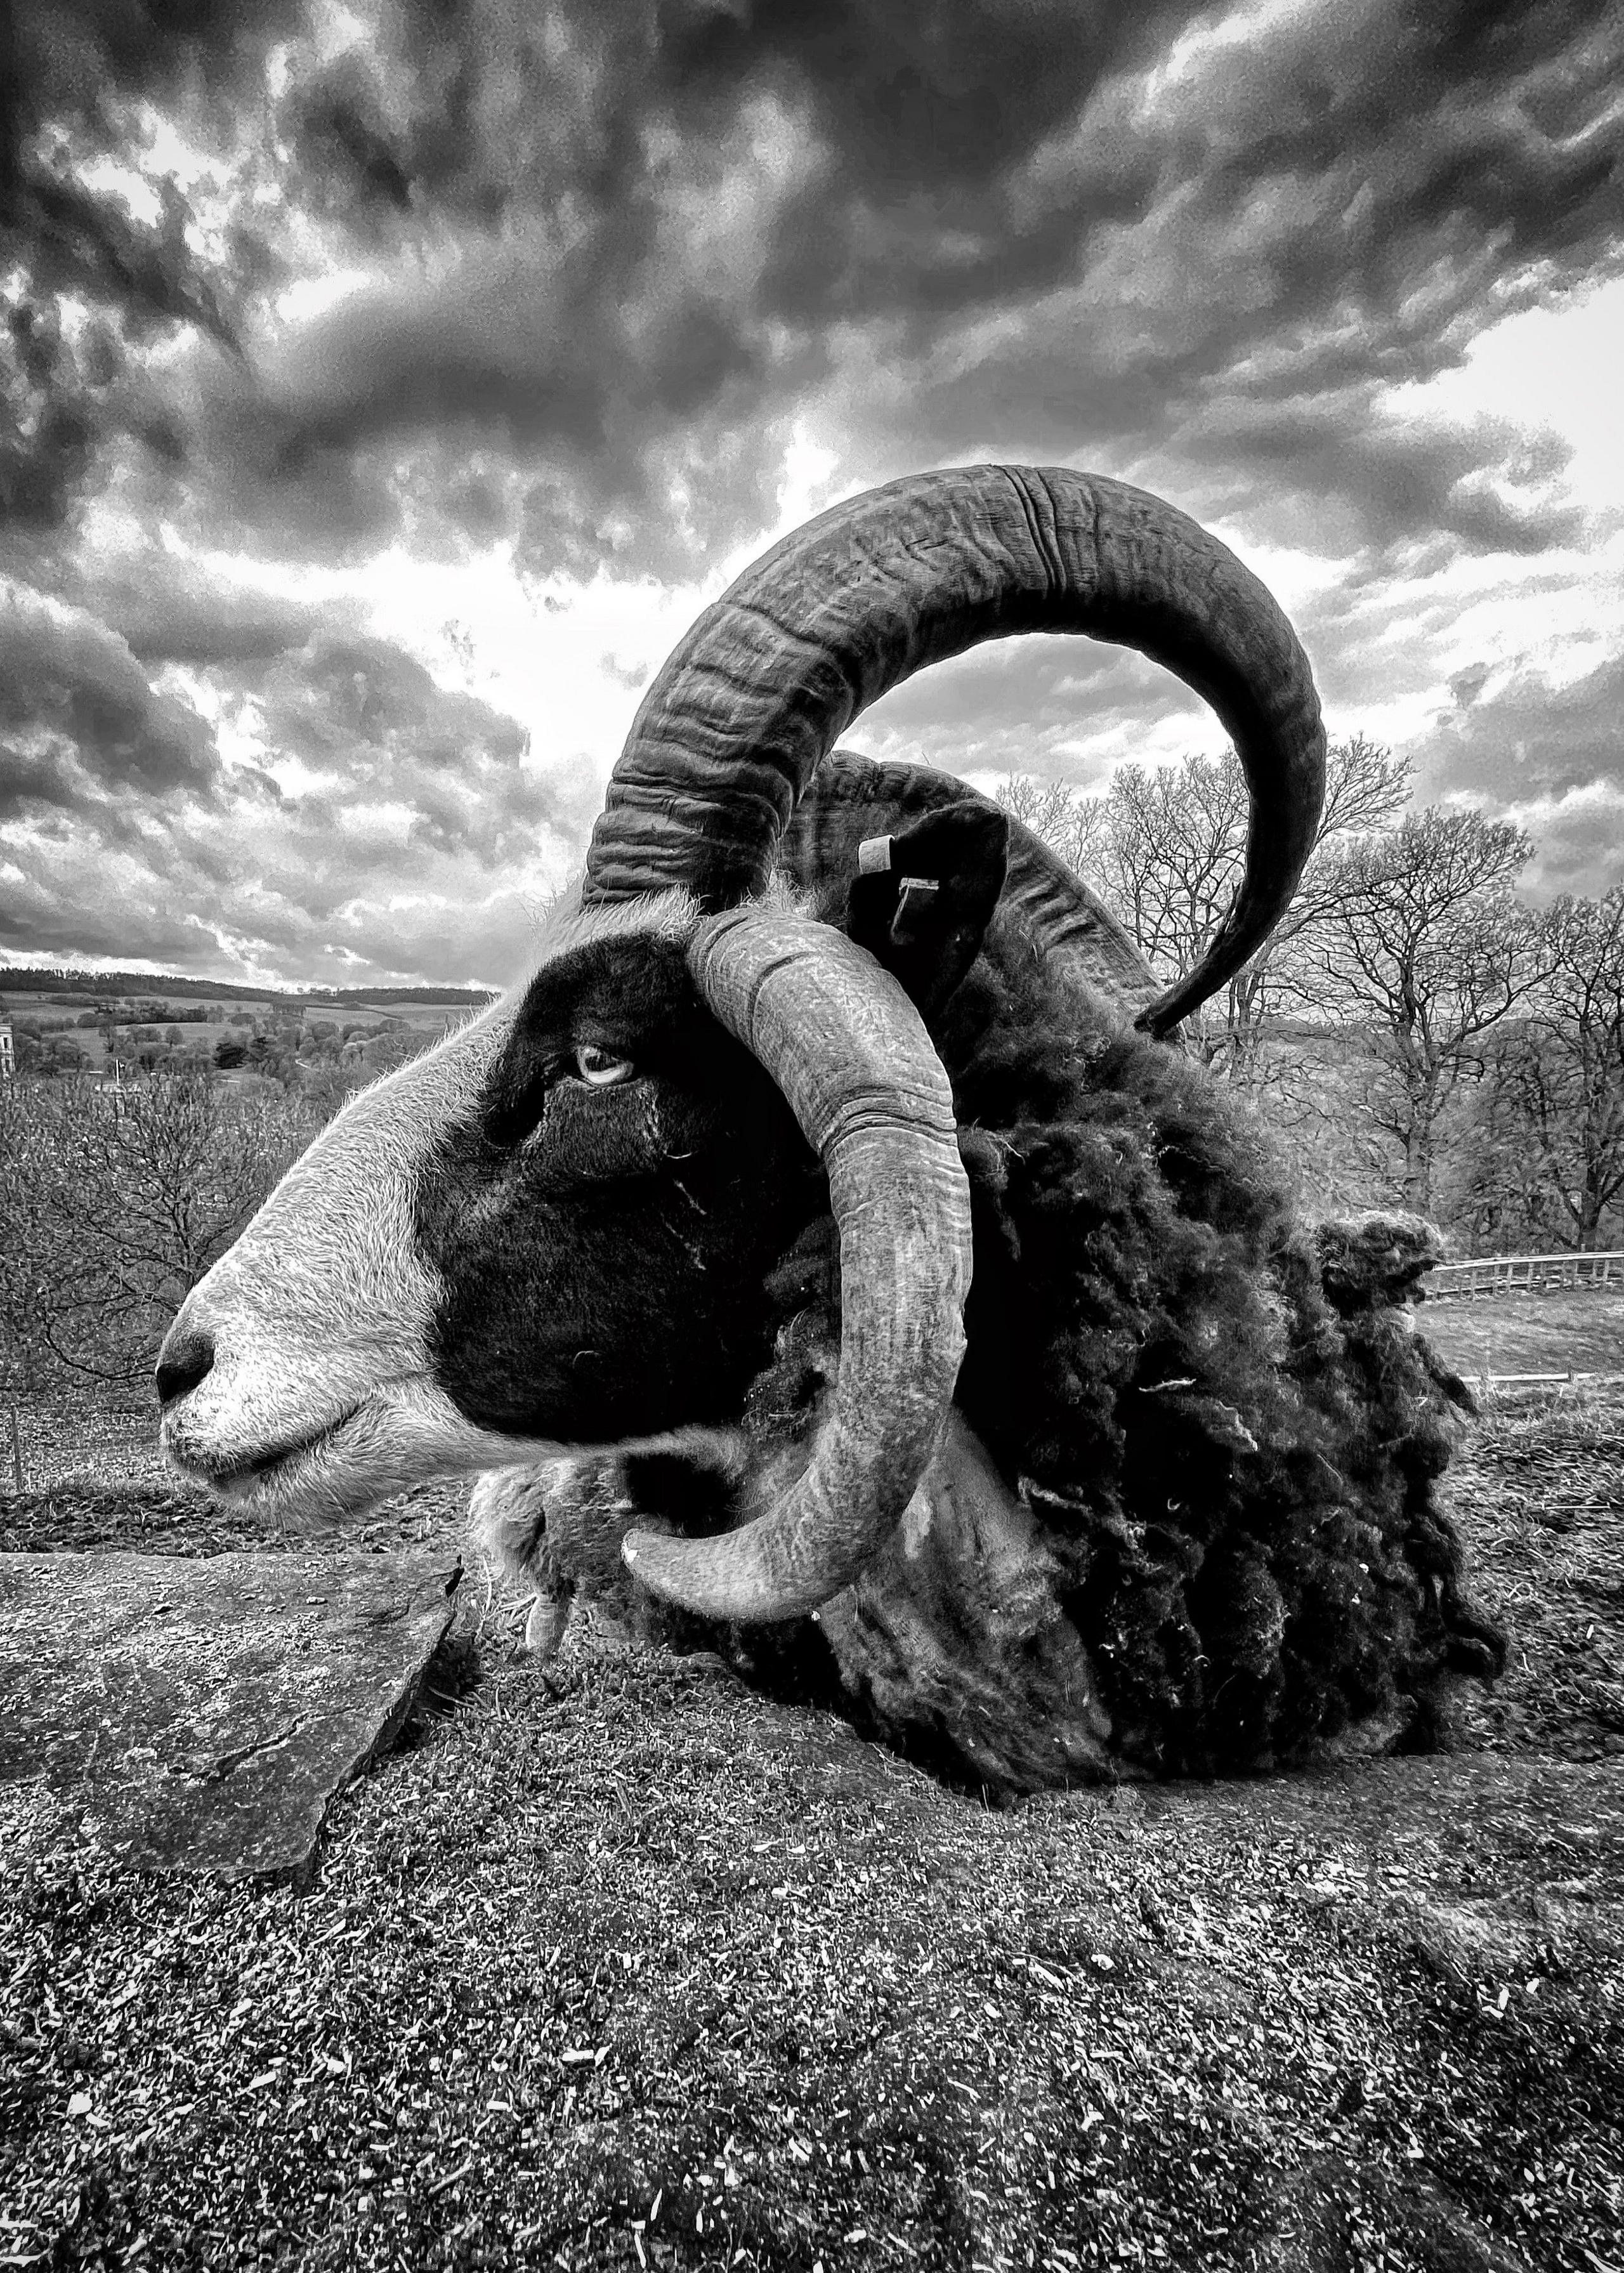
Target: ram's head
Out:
[553,1230]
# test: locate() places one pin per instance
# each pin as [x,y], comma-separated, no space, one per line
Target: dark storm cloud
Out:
[1528,739]
[170,610]
[45,918]
[85,734]
[651,407]
[1390,483]
[79,719]
[623,247]
[919,118]
[55,397]
[407,843]
[480,110]
[639,325]
[341,143]
[37,778]
[93,244]
[988,230]
[377,729]
[1339,202]
[1337,158]
[72,76]
[74,61]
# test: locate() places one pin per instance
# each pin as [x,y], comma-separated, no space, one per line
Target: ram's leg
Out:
[546,1625]
[507,1519]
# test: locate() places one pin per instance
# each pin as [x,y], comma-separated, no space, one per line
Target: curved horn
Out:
[729,735]
[850,1054]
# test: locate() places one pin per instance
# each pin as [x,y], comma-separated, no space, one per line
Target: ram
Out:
[827,1254]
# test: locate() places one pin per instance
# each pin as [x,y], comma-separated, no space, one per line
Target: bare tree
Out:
[1556,1119]
[29,1238]
[129,1200]
[1069,823]
[1422,946]
[1166,847]
[1173,845]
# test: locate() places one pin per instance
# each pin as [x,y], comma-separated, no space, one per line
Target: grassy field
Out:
[611,1963]
[426,1021]
[1530,1333]
[430,1014]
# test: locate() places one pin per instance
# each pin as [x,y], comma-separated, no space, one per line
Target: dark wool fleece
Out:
[1235,1469]
[1239,1475]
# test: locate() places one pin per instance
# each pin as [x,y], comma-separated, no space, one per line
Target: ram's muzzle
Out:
[296,1377]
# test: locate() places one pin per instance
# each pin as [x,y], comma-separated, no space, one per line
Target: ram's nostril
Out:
[183,1362]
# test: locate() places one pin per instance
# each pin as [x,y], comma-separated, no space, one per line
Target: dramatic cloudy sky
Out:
[387,382]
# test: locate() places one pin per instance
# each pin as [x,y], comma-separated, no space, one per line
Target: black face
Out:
[604,1223]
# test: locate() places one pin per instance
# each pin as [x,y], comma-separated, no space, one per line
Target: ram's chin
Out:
[344,1471]
[405,1433]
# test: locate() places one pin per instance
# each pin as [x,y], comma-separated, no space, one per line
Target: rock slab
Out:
[204,1711]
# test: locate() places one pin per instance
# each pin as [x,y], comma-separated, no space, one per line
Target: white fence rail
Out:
[1539,1274]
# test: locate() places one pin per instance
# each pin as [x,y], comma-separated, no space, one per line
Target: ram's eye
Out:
[601,1068]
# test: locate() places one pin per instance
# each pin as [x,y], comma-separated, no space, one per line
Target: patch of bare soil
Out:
[613,1963]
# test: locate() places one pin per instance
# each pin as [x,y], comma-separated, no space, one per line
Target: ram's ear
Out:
[922,899]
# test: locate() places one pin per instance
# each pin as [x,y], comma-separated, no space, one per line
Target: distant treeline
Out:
[29,980]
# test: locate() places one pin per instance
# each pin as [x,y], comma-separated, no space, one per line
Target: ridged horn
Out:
[851,1055]
[767,678]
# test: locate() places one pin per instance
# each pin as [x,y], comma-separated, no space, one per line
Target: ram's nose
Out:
[187,1359]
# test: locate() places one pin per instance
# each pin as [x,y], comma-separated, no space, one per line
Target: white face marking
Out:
[321,1398]
[320,1315]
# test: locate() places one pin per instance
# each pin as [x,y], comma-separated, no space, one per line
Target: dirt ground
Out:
[613,1963]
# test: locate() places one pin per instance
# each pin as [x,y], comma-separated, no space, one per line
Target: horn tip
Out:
[690,1573]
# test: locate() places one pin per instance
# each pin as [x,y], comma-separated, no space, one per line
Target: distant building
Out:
[107,1085]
